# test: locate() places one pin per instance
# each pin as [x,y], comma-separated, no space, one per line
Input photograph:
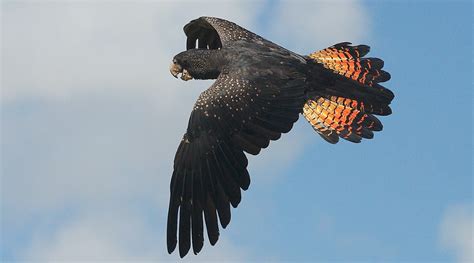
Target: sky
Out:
[91,119]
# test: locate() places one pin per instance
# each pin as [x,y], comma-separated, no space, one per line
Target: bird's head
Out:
[178,67]
[197,64]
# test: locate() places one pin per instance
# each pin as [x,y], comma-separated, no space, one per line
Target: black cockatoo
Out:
[260,90]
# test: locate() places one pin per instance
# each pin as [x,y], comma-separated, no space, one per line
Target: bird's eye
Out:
[175,61]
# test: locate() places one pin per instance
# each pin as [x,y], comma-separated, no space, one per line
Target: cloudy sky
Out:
[91,118]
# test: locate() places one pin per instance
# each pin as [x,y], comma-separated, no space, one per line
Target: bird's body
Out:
[259,92]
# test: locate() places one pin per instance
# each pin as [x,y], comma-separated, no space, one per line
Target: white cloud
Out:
[114,234]
[456,232]
[99,236]
[91,118]
[306,26]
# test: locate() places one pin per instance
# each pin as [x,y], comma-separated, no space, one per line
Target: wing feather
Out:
[216,33]
[238,113]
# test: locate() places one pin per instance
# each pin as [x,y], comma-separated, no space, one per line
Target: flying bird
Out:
[260,90]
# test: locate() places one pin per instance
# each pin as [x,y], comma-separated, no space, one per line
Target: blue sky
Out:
[91,119]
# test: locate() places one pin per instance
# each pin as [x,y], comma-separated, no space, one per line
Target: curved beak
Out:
[175,69]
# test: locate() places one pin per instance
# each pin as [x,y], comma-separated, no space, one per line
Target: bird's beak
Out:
[175,69]
[186,76]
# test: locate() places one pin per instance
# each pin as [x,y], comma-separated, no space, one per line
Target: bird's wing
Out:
[214,33]
[237,113]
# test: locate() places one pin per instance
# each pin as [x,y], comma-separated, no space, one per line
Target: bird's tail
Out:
[347,93]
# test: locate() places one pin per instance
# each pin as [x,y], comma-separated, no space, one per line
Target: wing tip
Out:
[213,239]
[171,245]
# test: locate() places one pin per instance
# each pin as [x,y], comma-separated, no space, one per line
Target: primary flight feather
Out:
[259,93]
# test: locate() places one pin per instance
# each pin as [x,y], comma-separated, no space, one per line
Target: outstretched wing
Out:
[240,112]
[214,33]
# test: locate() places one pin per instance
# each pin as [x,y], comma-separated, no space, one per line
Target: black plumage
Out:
[259,92]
